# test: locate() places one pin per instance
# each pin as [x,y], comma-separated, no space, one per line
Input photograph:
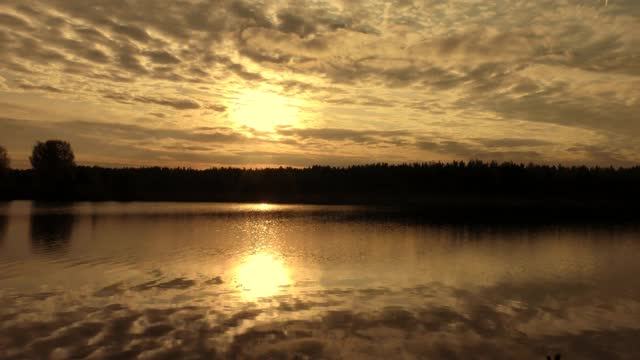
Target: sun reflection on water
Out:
[262,275]
[263,207]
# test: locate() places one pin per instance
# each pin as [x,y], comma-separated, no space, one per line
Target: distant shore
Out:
[476,190]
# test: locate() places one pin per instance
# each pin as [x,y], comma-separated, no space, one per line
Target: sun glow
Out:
[263,110]
[262,275]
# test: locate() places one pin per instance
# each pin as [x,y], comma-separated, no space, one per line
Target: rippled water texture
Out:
[164,280]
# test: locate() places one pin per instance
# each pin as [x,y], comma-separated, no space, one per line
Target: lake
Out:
[193,280]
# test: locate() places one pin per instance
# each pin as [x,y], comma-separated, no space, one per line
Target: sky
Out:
[201,83]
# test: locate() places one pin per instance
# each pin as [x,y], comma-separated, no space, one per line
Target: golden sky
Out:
[263,83]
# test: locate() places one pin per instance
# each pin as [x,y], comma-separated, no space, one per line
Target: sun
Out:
[262,110]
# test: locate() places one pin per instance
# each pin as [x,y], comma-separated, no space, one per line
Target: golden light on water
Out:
[262,110]
[262,275]
[263,207]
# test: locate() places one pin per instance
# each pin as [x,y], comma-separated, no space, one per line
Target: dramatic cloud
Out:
[184,104]
[329,134]
[366,80]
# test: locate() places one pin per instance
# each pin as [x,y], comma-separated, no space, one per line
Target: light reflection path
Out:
[262,272]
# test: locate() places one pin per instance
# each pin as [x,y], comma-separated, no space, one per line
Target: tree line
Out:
[438,185]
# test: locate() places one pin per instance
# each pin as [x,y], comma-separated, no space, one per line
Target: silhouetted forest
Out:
[474,189]
[435,188]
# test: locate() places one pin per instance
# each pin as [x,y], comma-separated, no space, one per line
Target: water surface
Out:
[168,280]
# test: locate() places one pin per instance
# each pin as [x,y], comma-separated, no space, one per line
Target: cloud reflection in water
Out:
[230,281]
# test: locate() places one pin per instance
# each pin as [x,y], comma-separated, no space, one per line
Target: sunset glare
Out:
[262,111]
[262,275]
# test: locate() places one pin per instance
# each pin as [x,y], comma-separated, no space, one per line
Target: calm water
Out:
[167,280]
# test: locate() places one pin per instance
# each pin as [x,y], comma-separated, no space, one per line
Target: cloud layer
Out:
[366,80]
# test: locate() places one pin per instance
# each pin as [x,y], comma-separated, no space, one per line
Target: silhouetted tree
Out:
[53,163]
[52,156]
[4,161]
[5,188]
